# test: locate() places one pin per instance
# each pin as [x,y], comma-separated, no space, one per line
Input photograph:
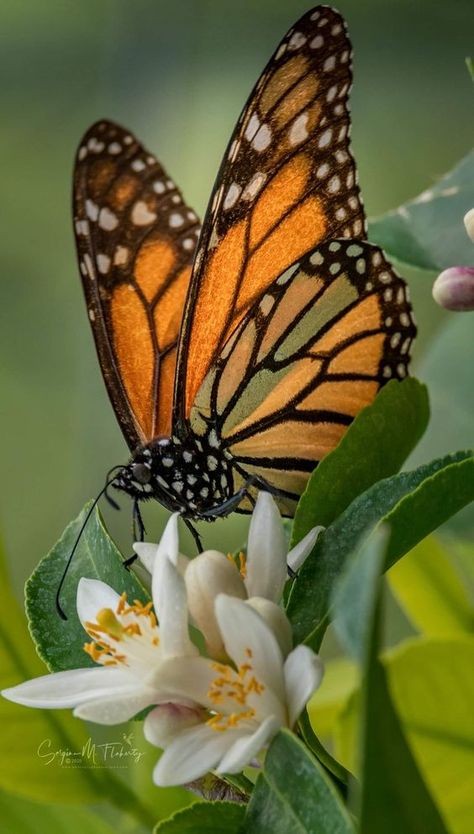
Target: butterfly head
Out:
[186,476]
[139,477]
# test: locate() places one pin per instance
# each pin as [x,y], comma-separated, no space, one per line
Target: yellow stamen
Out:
[222,722]
[94,651]
[109,623]
[122,603]
[109,629]
[132,628]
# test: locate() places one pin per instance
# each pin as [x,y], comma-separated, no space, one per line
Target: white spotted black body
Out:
[190,476]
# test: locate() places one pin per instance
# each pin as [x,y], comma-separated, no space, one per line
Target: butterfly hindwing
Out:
[311,352]
[287,182]
[136,240]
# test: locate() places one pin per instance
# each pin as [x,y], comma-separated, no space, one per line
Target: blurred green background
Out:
[177,74]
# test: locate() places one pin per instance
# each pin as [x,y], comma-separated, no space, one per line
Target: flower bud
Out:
[208,575]
[166,720]
[454,288]
[276,620]
[469,223]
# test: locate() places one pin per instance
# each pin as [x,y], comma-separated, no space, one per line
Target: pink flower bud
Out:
[454,288]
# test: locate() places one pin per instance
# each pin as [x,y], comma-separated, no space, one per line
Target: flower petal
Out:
[192,754]
[169,598]
[266,551]
[303,673]
[167,720]
[117,707]
[146,552]
[184,680]
[247,636]
[92,596]
[69,688]
[298,554]
[244,750]
[277,621]
[169,542]
[208,575]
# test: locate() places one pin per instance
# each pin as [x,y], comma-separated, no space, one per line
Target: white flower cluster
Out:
[212,711]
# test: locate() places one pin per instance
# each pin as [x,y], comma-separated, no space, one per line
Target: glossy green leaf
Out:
[205,817]
[414,503]
[60,643]
[28,732]
[355,597]
[432,686]
[375,446]
[392,797]
[430,591]
[428,231]
[294,794]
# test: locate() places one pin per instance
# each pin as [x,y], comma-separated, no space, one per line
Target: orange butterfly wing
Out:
[135,240]
[309,354]
[288,182]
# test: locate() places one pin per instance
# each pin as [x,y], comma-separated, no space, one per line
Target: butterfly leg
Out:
[137,523]
[250,498]
[231,503]
[194,534]
[261,483]
[138,532]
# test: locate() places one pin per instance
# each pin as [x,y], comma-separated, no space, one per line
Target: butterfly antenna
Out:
[108,497]
[103,491]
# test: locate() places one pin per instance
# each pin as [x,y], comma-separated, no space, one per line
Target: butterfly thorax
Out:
[190,475]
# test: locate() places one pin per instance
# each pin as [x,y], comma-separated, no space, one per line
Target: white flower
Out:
[261,578]
[129,648]
[245,704]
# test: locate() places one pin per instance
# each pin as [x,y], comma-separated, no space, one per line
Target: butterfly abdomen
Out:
[190,475]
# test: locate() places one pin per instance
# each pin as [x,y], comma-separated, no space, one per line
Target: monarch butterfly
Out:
[236,355]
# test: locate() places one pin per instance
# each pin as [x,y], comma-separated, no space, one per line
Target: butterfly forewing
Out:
[287,182]
[136,240]
[311,353]
[285,321]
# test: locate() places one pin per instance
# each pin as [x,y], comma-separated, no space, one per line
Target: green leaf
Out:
[22,771]
[339,682]
[470,67]
[60,643]
[425,677]
[375,446]
[414,503]
[25,817]
[355,596]
[294,794]
[431,592]
[393,797]
[448,374]
[428,232]
[434,501]
[432,685]
[203,818]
